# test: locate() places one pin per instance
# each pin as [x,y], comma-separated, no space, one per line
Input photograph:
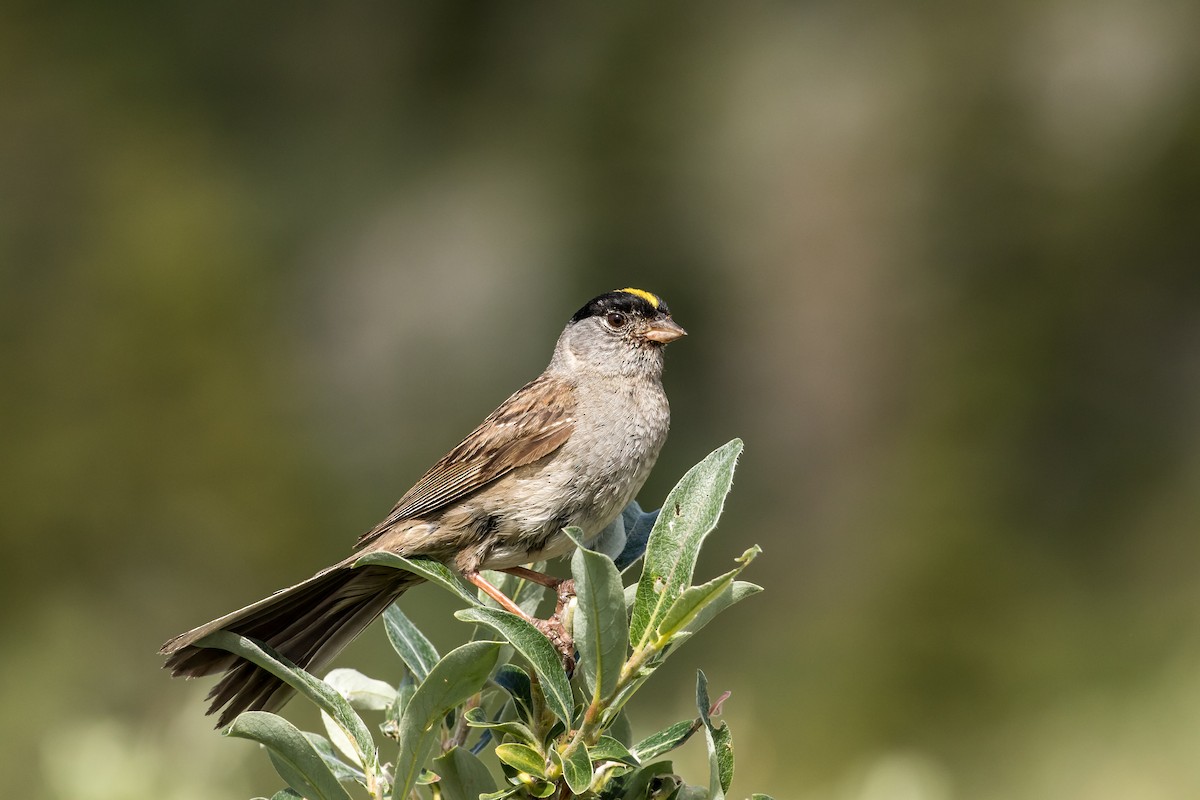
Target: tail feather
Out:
[308,624]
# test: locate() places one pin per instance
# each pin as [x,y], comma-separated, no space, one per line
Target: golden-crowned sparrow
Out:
[571,447]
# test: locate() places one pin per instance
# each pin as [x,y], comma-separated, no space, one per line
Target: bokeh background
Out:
[262,264]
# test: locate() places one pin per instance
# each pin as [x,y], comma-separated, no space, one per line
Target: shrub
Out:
[554,733]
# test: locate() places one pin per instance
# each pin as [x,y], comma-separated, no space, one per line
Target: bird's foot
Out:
[556,627]
[566,593]
[554,630]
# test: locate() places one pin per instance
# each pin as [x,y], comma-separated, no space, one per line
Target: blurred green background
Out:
[260,265]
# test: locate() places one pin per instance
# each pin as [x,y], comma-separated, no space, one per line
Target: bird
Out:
[570,448]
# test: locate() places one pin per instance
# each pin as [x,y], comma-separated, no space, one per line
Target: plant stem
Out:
[589,729]
[459,735]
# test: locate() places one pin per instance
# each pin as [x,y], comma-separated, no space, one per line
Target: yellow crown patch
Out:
[652,299]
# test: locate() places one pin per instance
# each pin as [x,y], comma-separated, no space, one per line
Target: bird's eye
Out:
[616,319]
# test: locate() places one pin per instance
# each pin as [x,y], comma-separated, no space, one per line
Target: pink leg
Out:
[533,576]
[497,595]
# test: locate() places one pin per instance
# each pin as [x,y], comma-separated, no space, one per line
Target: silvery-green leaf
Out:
[637,524]
[363,693]
[576,765]
[703,704]
[696,599]
[650,781]
[515,681]
[476,718]
[430,570]
[611,540]
[600,628]
[621,730]
[541,790]
[690,603]
[294,758]
[536,649]
[342,771]
[500,795]
[452,680]
[720,759]
[609,749]
[688,516]
[321,693]
[404,693]
[463,775]
[735,593]
[720,743]
[286,794]
[522,758]
[413,647]
[339,739]
[665,740]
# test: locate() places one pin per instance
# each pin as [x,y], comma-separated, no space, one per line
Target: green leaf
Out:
[665,740]
[295,759]
[500,795]
[286,794]
[339,739]
[476,718]
[609,749]
[395,712]
[321,693]
[611,540]
[695,599]
[522,758]
[735,593]
[637,525]
[363,693]
[463,775]
[452,680]
[601,630]
[651,781]
[720,743]
[515,681]
[689,514]
[341,770]
[536,649]
[414,649]
[621,730]
[576,766]
[703,704]
[430,570]
[538,788]
[689,605]
[720,759]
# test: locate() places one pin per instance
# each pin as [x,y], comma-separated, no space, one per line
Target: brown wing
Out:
[532,423]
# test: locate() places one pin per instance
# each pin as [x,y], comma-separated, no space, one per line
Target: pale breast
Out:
[586,483]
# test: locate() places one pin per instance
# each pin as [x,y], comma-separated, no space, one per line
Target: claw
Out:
[554,628]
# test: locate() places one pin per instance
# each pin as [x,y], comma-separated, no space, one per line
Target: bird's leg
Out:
[533,576]
[553,628]
[564,586]
[499,596]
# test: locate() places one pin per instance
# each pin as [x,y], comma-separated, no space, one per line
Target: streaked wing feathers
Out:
[531,424]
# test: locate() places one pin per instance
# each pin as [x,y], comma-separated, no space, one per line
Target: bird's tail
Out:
[308,624]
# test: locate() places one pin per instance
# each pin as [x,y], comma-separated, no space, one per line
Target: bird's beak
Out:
[664,330]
